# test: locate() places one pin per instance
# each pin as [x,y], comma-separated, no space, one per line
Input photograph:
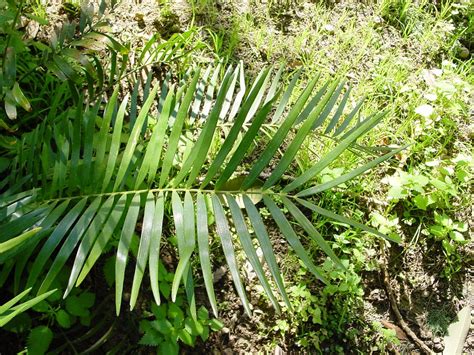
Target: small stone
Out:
[437,340]
[438,347]
[329,28]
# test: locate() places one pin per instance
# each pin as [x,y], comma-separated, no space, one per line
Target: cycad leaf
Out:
[4,319]
[222,228]
[123,248]
[244,145]
[185,236]
[339,112]
[348,118]
[233,134]
[202,145]
[286,97]
[15,243]
[115,144]
[265,244]
[87,242]
[154,147]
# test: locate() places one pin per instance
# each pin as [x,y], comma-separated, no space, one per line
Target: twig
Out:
[396,311]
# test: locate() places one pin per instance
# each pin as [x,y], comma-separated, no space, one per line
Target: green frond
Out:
[100,172]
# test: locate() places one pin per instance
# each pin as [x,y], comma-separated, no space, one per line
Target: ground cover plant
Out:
[164,147]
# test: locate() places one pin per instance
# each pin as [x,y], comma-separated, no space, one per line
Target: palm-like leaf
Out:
[95,177]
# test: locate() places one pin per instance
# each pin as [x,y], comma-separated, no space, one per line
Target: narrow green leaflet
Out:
[244,145]
[144,248]
[123,248]
[115,144]
[70,243]
[266,245]
[154,256]
[185,236]
[246,242]
[282,132]
[350,175]
[203,243]
[176,131]
[301,135]
[4,319]
[223,231]
[233,134]
[201,147]
[17,241]
[103,133]
[291,237]
[333,154]
[339,112]
[133,140]
[88,240]
[324,212]
[103,238]
[286,97]
[312,232]
[53,241]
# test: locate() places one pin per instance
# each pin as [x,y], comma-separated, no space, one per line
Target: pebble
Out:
[438,347]
[329,28]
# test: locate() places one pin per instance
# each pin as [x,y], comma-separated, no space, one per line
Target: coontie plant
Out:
[198,160]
